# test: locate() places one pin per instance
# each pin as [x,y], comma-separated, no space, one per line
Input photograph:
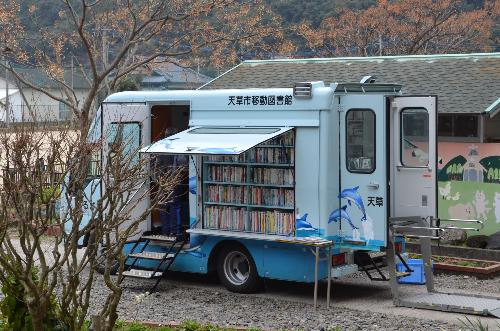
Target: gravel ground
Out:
[469,283]
[452,282]
[175,302]
[183,298]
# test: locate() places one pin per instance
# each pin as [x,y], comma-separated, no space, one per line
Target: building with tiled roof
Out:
[467,85]
[164,75]
[32,105]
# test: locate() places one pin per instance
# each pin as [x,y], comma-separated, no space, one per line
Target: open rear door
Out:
[413,174]
[414,149]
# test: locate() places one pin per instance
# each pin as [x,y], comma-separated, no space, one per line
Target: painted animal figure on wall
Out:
[481,205]
[341,214]
[301,223]
[446,190]
[462,211]
[497,206]
[352,196]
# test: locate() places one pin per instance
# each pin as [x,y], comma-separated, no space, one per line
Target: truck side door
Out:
[363,172]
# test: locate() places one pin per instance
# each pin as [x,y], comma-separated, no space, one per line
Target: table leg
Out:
[316,260]
[329,266]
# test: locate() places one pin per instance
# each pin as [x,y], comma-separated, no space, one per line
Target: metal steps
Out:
[400,274]
[369,261]
[172,246]
[151,255]
[159,237]
[145,274]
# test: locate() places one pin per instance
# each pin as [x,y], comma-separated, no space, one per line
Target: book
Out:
[227,173]
[273,176]
[226,194]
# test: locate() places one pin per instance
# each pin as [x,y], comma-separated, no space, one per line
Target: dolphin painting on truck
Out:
[298,184]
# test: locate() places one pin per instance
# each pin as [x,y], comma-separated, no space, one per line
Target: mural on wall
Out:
[469,183]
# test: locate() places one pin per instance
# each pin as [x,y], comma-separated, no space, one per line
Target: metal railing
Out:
[428,227]
[36,113]
[40,173]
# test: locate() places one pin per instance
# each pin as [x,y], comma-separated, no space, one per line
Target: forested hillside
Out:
[329,28]
[291,11]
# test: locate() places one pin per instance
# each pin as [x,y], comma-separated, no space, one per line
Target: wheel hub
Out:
[236,268]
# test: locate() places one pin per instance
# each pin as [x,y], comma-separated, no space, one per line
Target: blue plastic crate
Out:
[418,274]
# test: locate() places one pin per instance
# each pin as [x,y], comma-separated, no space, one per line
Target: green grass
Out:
[475,325]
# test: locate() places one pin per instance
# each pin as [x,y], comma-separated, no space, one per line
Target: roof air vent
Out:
[368,79]
[302,90]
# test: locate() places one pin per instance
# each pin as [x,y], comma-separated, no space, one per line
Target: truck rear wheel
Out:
[237,271]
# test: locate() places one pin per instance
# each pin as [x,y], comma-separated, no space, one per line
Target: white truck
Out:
[299,184]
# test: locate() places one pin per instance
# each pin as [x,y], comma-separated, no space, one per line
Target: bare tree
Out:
[108,39]
[404,27]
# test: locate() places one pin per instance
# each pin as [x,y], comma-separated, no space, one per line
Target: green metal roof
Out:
[494,108]
[423,57]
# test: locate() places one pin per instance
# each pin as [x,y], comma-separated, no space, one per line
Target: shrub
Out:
[15,313]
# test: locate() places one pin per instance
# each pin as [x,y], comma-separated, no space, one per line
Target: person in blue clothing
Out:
[174,208]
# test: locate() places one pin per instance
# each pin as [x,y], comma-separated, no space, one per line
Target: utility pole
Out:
[7,104]
[72,71]
[379,45]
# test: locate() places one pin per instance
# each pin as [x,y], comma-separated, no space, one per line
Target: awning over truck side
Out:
[214,140]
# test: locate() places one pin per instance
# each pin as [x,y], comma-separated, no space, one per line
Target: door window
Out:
[125,138]
[360,140]
[415,137]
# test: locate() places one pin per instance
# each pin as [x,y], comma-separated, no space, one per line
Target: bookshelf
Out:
[253,192]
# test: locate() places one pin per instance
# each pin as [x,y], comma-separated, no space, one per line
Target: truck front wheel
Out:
[237,271]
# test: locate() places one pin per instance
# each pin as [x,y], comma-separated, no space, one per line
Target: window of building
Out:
[458,125]
[360,137]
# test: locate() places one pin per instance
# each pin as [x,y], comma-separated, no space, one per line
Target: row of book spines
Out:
[229,194]
[222,173]
[227,173]
[273,176]
[258,196]
[278,155]
[284,139]
[224,217]
[272,155]
[271,222]
[238,219]
[272,197]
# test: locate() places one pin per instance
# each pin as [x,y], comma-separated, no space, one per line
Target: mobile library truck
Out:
[300,184]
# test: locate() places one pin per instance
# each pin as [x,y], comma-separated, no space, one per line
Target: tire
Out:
[237,270]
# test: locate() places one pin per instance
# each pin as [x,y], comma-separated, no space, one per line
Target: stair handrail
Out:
[457,220]
[439,231]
